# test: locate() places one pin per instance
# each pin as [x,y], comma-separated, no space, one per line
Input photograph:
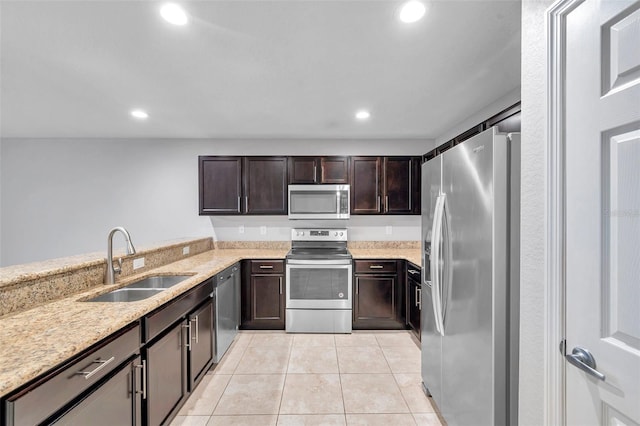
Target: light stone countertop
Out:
[34,341]
[410,254]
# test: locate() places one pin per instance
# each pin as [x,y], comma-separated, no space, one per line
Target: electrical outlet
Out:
[138,263]
[388,230]
[241,229]
[263,230]
[185,250]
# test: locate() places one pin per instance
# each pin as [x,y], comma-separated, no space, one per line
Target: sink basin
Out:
[158,282]
[127,295]
[141,289]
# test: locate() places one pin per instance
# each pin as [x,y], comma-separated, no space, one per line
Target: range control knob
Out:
[341,234]
[335,234]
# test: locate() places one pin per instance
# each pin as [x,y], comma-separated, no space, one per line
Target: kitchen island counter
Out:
[35,340]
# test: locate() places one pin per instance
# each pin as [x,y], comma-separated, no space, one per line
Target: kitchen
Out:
[96,195]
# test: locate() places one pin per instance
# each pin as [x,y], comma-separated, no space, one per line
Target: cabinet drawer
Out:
[43,398]
[163,317]
[375,266]
[267,266]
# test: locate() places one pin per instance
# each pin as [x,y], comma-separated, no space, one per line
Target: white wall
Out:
[480,116]
[60,197]
[533,225]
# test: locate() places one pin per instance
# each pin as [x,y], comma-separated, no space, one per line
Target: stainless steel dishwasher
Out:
[227,308]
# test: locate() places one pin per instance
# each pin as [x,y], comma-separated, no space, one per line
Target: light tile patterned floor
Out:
[274,378]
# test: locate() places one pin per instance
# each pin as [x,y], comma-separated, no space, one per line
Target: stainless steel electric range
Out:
[319,278]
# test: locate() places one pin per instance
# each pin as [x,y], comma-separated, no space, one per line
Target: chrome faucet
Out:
[112,270]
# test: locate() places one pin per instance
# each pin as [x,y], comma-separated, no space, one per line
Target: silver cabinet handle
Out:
[239,208]
[419,298]
[386,203]
[376,266]
[143,366]
[378,203]
[246,203]
[195,320]
[413,271]
[583,359]
[103,363]
[266,266]
[315,176]
[357,287]
[280,282]
[188,327]
[415,295]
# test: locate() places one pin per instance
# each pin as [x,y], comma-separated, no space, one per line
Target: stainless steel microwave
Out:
[319,201]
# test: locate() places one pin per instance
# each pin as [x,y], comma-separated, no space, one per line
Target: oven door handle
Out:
[317,262]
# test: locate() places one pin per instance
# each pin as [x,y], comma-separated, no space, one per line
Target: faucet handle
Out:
[118,269]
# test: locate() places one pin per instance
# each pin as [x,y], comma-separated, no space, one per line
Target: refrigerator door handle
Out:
[445,288]
[436,235]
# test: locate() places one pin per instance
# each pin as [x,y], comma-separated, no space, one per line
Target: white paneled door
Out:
[601,120]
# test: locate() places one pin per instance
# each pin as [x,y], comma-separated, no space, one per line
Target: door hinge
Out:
[563,347]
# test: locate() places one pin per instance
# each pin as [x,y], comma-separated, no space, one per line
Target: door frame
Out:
[555,239]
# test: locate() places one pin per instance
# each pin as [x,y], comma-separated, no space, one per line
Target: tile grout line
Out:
[284,383]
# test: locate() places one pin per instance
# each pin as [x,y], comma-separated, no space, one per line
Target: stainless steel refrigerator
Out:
[470,296]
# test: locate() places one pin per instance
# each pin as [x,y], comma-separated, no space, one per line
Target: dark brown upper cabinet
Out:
[365,185]
[242,185]
[385,185]
[401,185]
[312,170]
[220,185]
[265,185]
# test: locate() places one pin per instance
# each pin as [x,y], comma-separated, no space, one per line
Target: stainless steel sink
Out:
[127,295]
[141,289]
[158,281]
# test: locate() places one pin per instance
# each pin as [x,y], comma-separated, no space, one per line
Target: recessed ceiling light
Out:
[363,114]
[412,11]
[139,114]
[174,14]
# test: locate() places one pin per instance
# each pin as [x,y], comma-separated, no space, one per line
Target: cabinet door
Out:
[413,306]
[115,402]
[365,185]
[265,185]
[220,185]
[375,297]
[166,374]
[267,300]
[398,185]
[334,170]
[201,346]
[303,170]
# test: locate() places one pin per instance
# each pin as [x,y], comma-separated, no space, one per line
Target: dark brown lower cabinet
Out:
[263,295]
[414,303]
[115,402]
[90,378]
[202,342]
[166,374]
[179,351]
[377,300]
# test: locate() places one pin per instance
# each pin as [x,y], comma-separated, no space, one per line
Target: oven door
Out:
[318,284]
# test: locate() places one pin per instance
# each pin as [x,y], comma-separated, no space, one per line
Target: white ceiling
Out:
[242,68]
